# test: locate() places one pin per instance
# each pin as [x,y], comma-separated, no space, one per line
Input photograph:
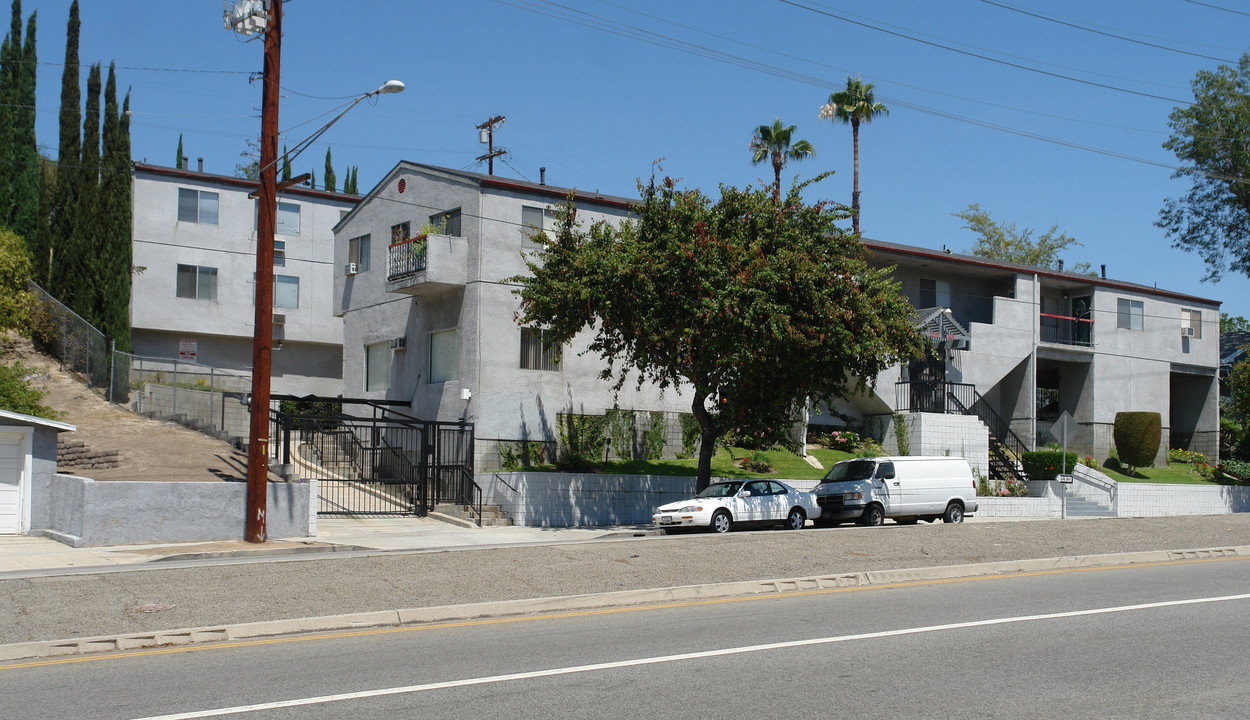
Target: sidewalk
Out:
[20,554]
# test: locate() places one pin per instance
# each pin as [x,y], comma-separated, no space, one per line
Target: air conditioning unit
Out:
[279,327]
[350,269]
[399,343]
[1187,332]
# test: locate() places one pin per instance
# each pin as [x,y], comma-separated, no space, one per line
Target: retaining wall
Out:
[83,512]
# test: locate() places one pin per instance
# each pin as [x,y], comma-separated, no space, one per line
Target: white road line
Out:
[240,709]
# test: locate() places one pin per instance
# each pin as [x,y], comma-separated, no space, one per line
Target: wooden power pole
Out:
[248,17]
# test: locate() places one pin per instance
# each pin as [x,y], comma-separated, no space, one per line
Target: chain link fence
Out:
[208,398]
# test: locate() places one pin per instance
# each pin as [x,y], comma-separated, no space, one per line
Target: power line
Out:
[1217,7]
[980,56]
[1058,21]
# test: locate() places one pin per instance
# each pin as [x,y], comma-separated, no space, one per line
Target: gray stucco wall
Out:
[82,512]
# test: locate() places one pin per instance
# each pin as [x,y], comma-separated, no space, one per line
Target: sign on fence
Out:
[187,349]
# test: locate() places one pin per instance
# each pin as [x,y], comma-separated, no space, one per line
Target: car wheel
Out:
[796,519]
[907,520]
[721,522]
[873,515]
[954,513]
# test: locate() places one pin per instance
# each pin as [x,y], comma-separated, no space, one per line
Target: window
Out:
[1129,314]
[197,283]
[1192,319]
[285,291]
[279,253]
[448,222]
[935,293]
[536,353]
[287,220]
[197,206]
[401,232]
[444,355]
[358,252]
[378,366]
[536,218]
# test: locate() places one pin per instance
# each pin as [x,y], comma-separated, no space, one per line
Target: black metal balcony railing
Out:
[1065,330]
[406,257]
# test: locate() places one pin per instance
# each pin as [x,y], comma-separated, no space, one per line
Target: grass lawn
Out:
[786,465]
[1178,473]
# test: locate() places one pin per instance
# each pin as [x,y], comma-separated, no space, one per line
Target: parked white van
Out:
[907,489]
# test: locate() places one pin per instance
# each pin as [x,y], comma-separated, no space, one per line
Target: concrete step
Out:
[492,515]
[1081,507]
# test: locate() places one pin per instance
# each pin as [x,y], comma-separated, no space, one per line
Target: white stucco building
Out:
[429,319]
[1031,344]
[195,241]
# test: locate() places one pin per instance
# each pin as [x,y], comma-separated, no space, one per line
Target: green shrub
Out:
[1237,469]
[620,427]
[509,456]
[1137,436]
[653,438]
[17,395]
[15,268]
[583,439]
[1046,464]
[691,434]
[1177,455]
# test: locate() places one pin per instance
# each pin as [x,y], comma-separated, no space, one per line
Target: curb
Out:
[595,601]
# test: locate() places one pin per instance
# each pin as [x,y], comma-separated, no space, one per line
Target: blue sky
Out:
[1043,122]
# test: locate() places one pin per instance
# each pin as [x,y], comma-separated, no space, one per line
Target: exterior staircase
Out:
[492,515]
[1086,507]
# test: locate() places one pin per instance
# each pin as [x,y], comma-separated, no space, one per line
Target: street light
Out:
[262,339]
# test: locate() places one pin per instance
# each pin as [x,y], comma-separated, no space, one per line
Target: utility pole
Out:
[254,16]
[486,136]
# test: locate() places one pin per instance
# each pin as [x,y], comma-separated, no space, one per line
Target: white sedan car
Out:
[725,505]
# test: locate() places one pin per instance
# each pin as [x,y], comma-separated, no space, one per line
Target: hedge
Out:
[1046,464]
[1137,436]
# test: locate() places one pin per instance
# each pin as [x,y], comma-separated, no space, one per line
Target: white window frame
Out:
[1192,319]
[536,354]
[204,289]
[283,286]
[279,253]
[527,223]
[444,357]
[1130,314]
[202,215]
[358,252]
[286,218]
[378,366]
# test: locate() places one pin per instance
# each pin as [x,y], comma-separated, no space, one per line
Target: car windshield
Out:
[724,489]
[850,470]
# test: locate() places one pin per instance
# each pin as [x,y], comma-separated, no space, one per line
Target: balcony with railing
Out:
[426,264]
[1063,330]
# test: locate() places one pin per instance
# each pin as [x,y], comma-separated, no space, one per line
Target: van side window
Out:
[885,471]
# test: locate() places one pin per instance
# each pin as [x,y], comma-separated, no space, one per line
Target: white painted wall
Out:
[310,360]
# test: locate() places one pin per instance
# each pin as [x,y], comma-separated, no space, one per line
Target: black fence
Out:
[375,461]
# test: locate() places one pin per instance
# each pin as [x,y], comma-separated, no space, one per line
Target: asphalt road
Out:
[104,603]
[1127,642]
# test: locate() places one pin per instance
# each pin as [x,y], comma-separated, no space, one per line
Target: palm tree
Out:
[853,105]
[772,142]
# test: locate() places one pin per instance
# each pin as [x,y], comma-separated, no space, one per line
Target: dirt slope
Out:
[150,449]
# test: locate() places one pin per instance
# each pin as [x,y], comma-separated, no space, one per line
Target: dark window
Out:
[537,352]
[448,223]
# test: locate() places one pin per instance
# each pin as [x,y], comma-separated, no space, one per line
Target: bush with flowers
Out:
[996,488]
[1178,455]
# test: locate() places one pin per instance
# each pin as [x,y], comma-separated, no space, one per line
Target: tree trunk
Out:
[855,177]
[707,442]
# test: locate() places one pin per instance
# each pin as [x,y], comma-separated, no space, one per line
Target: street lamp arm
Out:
[389,87]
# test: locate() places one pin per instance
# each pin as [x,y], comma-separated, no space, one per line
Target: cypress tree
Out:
[25,218]
[286,165]
[355,182]
[312,179]
[330,180]
[114,227]
[64,200]
[78,273]
[10,98]
[178,160]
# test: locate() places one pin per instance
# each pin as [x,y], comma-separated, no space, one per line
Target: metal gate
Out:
[379,462]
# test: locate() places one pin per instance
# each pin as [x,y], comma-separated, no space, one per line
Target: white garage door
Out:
[11,465]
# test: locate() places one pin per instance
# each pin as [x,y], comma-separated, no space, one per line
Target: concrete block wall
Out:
[82,512]
[213,409]
[941,434]
[1154,500]
[571,500]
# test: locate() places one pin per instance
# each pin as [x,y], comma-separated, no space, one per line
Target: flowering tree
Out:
[752,304]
